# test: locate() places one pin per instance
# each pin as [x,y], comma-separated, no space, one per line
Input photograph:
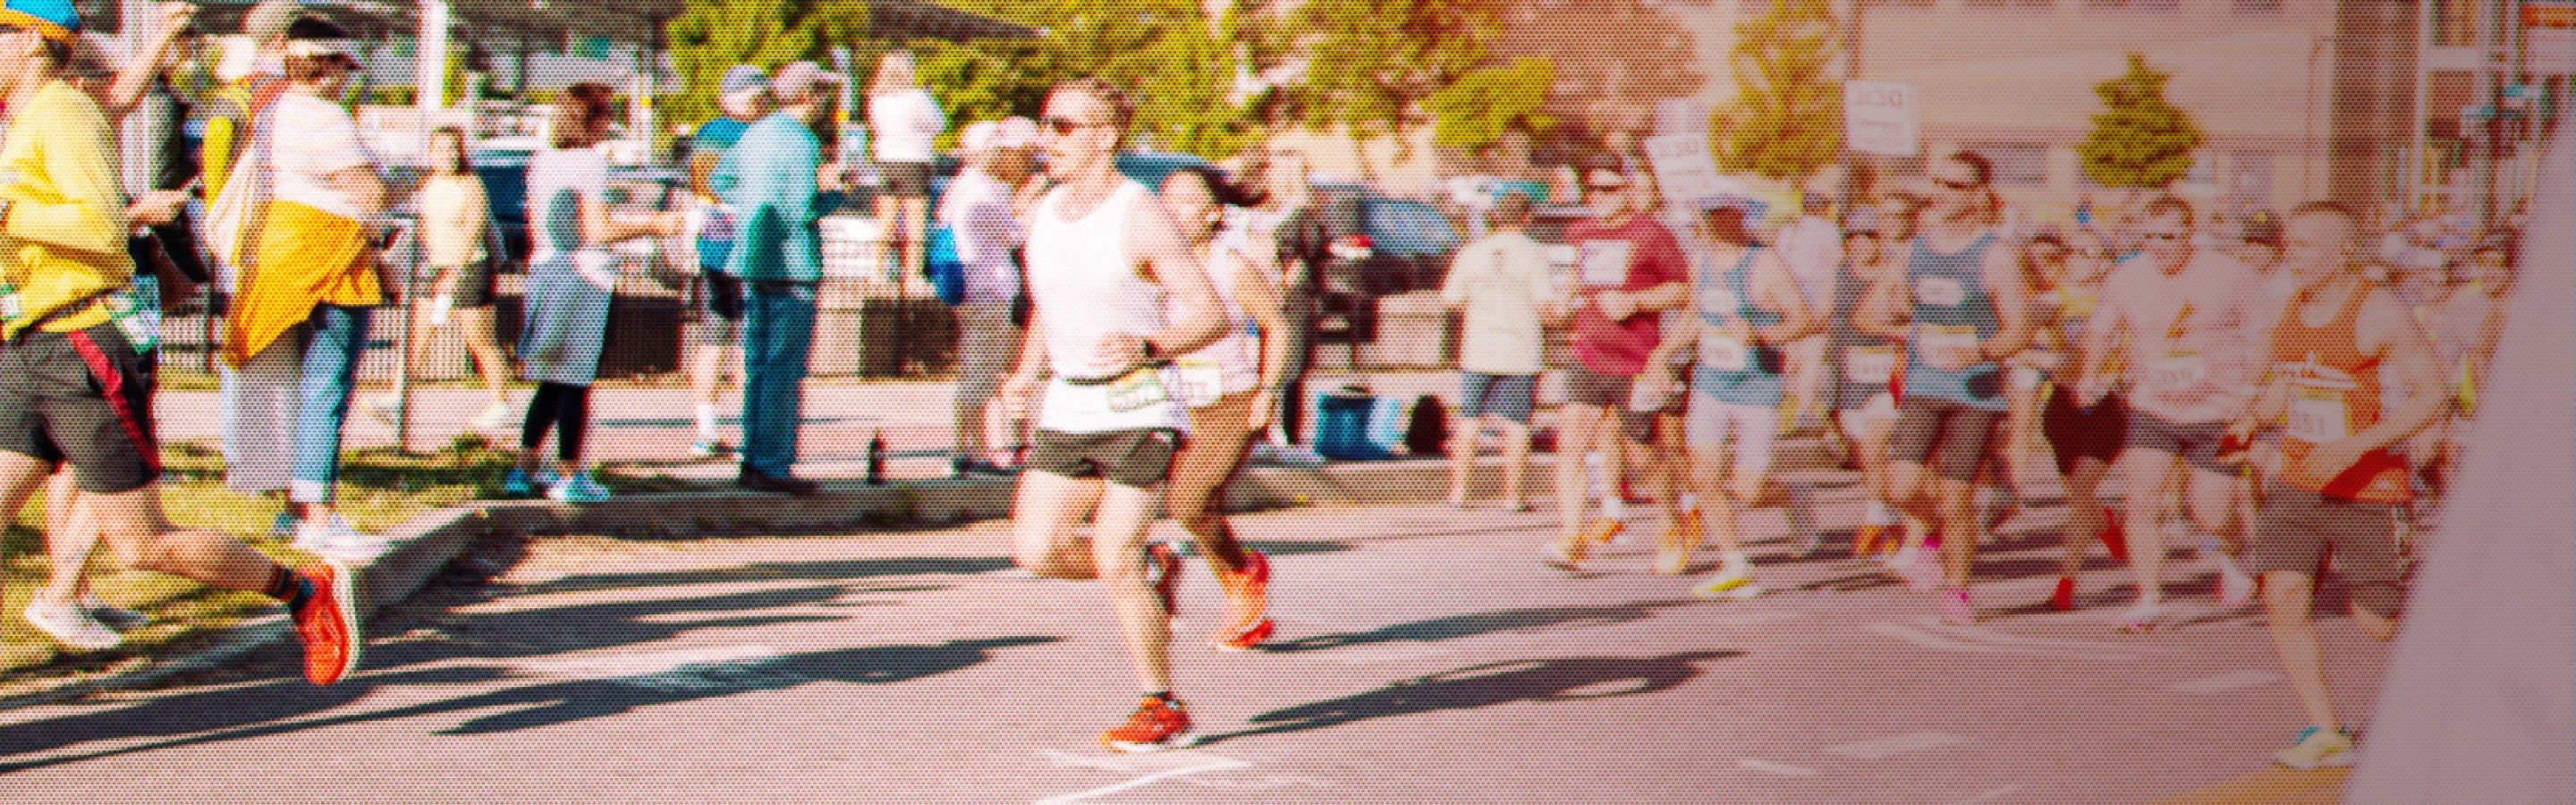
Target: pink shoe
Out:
[1956,610]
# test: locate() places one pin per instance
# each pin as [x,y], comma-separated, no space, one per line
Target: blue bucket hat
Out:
[55,19]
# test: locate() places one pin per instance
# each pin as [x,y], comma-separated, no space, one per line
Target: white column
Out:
[432,57]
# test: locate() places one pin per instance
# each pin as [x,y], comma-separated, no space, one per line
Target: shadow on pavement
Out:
[1557,680]
[217,716]
[1483,623]
[836,570]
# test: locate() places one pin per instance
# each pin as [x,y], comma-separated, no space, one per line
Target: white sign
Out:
[1878,118]
[2550,51]
[1684,171]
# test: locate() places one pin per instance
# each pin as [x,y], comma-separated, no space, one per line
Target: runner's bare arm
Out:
[2004,278]
[2386,330]
[1154,243]
[1774,289]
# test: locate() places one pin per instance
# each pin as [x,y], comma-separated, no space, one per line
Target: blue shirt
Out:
[1951,301]
[768,180]
[718,136]
[1721,298]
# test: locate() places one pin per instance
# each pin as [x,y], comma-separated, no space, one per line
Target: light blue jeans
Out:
[777,339]
[335,338]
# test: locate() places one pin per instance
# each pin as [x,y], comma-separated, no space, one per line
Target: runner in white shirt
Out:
[2177,322]
[1116,294]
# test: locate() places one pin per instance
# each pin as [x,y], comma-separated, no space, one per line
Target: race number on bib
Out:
[1940,292]
[1137,390]
[137,313]
[1605,263]
[1197,380]
[2316,416]
[2175,371]
[1948,345]
[1722,351]
[1869,365]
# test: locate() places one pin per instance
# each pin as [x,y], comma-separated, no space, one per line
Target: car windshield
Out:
[1409,228]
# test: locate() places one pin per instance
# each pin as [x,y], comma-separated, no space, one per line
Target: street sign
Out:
[1878,118]
[1684,170]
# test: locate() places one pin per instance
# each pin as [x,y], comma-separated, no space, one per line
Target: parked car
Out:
[1383,245]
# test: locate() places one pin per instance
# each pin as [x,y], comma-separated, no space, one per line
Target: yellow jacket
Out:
[62,240]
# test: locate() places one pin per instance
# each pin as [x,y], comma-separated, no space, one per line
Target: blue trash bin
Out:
[1342,427]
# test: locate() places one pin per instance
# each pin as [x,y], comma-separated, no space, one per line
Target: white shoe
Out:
[1731,583]
[494,417]
[71,626]
[336,539]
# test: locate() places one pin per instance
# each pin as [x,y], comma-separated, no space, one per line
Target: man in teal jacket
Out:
[770,180]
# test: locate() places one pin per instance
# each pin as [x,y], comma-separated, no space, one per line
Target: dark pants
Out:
[777,340]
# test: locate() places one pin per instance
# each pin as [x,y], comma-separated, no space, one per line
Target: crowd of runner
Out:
[2270,390]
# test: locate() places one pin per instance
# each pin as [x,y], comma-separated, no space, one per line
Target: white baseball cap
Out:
[1006,133]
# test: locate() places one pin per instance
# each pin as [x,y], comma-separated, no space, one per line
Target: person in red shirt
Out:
[1630,270]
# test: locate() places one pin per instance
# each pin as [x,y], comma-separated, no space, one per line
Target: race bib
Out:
[1869,365]
[2316,416]
[11,306]
[2176,371]
[1949,345]
[1137,390]
[137,313]
[1198,381]
[1605,263]
[1940,292]
[1721,351]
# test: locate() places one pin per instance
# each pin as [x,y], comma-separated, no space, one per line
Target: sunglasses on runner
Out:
[1063,126]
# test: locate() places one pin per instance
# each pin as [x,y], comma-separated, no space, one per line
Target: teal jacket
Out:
[768,178]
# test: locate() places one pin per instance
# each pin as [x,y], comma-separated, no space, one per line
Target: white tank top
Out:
[1232,364]
[1084,286]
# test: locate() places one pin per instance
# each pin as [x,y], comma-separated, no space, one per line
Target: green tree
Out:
[1474,111]
[2139,139]
[1373,66]
[1787,117]
[714,35]
[1176,63]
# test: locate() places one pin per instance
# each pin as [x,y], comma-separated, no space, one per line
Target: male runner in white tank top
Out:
[1116,295]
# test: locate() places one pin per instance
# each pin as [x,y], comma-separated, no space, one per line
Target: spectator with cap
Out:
[769,178]
[743,96]
[979,210]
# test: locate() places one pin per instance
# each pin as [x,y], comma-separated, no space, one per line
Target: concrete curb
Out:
[425,544]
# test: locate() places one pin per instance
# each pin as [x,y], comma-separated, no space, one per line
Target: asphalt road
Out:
[1424,656]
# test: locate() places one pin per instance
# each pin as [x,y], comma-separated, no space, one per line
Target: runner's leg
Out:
[1045,517]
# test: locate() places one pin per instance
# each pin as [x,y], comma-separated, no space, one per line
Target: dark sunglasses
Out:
[1956,186]
[2163,236]
[1606,188]
[1063,126]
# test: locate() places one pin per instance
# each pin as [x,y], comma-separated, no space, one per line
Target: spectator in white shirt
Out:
[903,124]
[1498,282]
[980,211]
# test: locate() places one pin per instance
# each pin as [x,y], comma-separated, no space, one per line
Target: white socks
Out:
[1879,515]
[438,307]
[706,422]
[1737,564]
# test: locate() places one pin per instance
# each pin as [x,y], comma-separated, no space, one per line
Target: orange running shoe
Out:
[1157,725]
[1866,540]
[1603,531]
[1673,557]
[1247,597]
[328,624]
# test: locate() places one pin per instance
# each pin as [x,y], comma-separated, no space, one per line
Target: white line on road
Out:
[1935,641]
[1782,769]
[2000,638]
[1893,745]
[1181,764]
[1996,795]
[2225,683]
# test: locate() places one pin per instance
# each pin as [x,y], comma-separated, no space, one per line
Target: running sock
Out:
[1878,514]
[706,422]
[1737,562]
[290,587]
[1689,502]
[1163,696]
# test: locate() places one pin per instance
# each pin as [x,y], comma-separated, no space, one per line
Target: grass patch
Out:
[379,489]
